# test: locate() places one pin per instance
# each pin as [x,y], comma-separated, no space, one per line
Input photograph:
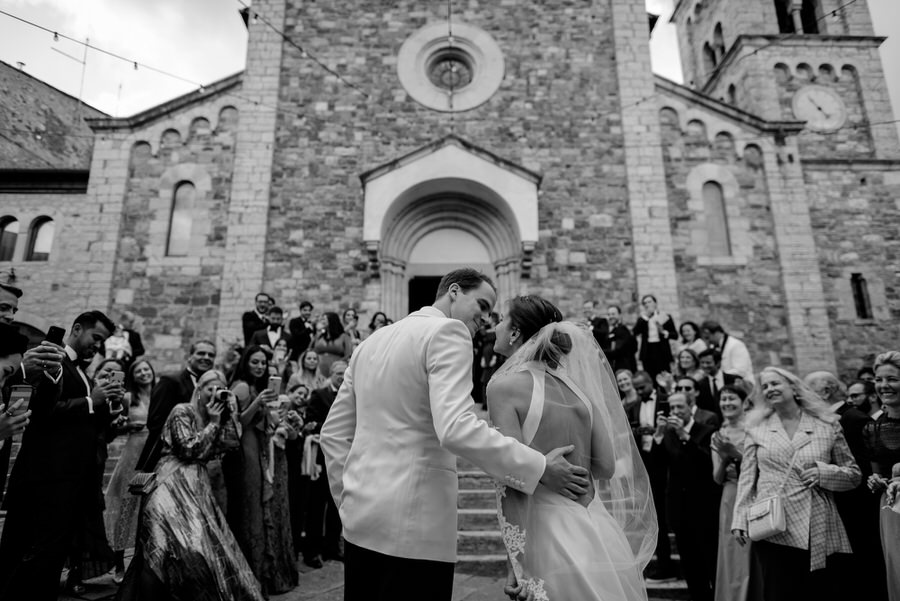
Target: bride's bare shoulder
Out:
[514,386]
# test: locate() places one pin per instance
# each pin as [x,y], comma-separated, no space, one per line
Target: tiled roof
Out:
[40,126]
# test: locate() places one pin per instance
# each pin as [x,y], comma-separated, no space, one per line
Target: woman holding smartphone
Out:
[13,418]
[256,479]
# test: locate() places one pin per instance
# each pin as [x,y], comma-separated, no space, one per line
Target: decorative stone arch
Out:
[737,223]
[449,185]
[161,207]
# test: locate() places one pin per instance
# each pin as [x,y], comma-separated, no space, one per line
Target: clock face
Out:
[821,108]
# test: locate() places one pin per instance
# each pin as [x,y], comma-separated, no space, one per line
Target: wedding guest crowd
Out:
[221,486]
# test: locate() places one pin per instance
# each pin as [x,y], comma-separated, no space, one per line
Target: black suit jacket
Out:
[320,401]
[251,323]
[261,337]
[169,391]
[708,418]
[59,452]
[692,496]
[301,336]
[706,399]
[622,349]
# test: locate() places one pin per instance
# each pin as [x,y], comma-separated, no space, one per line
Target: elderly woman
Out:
[794,449]
[883,441]
[733,562]
[185,548]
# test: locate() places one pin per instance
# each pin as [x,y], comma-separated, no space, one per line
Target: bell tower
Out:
[794,60]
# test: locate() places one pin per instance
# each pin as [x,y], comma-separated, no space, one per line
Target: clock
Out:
[821,108]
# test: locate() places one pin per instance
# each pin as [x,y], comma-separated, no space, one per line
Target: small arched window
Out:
[9,233]
[716,220]
[181,220]
[40,240]
[718,42]
[783,13]
[809,15]
[709,59]
[861,296]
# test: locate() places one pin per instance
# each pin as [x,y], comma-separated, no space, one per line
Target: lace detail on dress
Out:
[536,587]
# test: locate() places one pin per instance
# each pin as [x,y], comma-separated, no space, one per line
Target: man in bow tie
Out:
[273,332]
[52,486]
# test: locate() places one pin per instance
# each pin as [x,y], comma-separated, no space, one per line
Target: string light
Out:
[55,37]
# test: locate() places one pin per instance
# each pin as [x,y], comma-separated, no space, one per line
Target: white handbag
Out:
[766,516]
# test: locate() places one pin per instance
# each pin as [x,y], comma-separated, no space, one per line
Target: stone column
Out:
[645,175]
[804,295]
[248,212]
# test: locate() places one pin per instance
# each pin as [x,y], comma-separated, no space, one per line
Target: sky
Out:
[205,40]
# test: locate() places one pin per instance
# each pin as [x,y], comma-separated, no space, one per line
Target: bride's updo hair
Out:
[529,314]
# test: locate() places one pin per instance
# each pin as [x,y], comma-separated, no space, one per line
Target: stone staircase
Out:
[480,547]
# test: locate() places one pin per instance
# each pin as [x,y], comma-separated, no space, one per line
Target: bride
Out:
[557,389]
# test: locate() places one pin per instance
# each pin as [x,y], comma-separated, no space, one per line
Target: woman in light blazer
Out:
[793,438]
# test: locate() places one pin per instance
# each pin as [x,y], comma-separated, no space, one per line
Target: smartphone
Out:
[662,407]
[55,335]
[275,384]
[118,377]
[19,392]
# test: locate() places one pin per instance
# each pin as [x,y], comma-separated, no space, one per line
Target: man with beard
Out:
[51,487]
[171,390]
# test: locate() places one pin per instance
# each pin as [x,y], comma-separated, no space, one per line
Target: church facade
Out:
[368,147]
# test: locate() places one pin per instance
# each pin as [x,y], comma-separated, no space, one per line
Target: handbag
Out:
[766,516]
[144,483]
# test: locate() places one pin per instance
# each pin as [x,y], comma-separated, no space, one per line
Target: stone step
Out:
[480,498]
[474,479]
[477,519]
[480,542]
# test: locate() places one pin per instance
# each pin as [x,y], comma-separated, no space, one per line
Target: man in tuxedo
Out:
[858,508]
[708,388]
[254,321]
[170,390]
[273,332]
[692,496]
[735,358]
[54,483]
[622,346]
[688,387]
[302,330]
[598,325]
[323,523]
[391,441]
[642,417]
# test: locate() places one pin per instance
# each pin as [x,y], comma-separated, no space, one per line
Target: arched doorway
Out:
[437,253]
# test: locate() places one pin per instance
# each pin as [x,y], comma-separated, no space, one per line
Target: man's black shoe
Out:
[313,562]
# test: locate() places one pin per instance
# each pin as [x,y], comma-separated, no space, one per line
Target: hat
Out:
[11,341]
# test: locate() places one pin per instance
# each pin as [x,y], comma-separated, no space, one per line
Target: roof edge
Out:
[161,110]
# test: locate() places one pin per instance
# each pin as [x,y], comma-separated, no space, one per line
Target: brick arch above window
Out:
[163,204]
[9,235]
[707,250]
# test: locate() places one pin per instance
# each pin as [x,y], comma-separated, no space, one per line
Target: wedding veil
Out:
[626,496]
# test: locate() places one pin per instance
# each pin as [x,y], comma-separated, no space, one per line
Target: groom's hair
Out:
[467,278]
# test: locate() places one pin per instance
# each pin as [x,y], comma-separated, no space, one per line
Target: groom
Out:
[391,439]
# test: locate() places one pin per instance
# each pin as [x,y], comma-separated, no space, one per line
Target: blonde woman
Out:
[795,449]
[883,441]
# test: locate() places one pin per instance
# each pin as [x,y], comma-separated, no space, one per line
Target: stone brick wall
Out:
[743,291]
[58,289]
[176,298]
[557,112]
[855,212]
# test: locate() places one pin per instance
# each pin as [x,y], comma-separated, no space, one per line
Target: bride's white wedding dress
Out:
[563,550]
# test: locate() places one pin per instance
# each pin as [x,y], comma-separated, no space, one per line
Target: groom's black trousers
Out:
[373,576]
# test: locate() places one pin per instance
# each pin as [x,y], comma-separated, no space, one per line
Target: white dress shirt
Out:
[73,357]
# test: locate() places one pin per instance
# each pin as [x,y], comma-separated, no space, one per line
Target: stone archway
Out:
[473,233]
[449,186]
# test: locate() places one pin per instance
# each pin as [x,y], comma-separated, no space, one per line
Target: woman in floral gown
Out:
[185,548]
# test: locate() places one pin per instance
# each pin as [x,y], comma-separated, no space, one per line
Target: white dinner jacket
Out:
[736,359]
[392,436]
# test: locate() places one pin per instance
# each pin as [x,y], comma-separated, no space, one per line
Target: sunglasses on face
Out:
[684,388]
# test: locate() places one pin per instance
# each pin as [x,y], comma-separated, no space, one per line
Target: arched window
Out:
[716,220]
[180,220]
[40,240]
[809,15]
[709,59]
[9,233]
[861,296]
[718,42]
[732,95]
[783,12]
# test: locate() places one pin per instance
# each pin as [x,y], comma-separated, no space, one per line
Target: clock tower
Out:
[815,61]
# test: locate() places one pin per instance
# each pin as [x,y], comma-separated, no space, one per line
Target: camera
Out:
[223,395]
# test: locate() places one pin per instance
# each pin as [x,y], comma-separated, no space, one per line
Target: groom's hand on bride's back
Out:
[560,476]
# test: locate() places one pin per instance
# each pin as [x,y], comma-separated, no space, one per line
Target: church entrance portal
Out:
[422,290]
